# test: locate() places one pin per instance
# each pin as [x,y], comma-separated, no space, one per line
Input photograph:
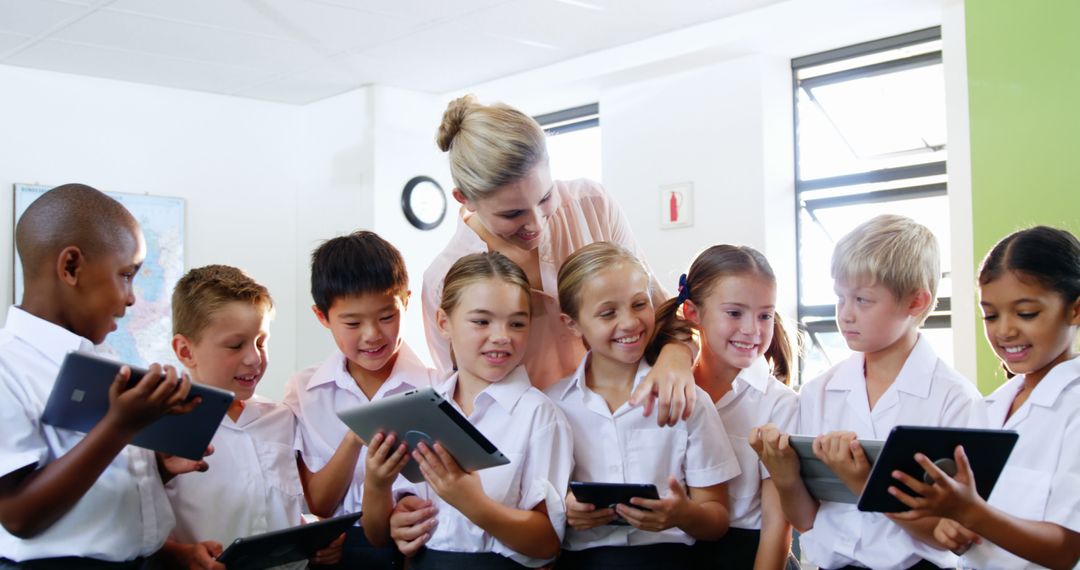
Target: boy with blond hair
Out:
[361,288]
[221,333]
[886,273]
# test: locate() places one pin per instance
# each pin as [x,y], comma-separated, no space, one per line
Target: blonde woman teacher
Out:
[510,204]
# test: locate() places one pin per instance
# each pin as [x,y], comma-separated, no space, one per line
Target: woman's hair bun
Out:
[452,119]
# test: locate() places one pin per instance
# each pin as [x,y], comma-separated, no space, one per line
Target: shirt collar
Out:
[914,376]
[505,392]
[1049,389]
[576,381]
[757,375]
[918,370]
[52,340]
[408,369]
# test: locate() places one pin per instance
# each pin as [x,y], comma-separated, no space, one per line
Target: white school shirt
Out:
[529,429]
[252,485]
[925,393]
[626,446]
[317,394]
[756,398]
[1041,480]
[125,513]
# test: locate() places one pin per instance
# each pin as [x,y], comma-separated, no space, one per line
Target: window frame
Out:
[813,320]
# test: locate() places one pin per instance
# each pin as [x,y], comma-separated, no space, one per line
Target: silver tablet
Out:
[80,399]
[822,483]
[424,416]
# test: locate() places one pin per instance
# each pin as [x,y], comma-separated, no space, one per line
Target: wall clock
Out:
[423,202]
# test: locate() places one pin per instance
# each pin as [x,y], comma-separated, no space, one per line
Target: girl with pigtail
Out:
[727,301]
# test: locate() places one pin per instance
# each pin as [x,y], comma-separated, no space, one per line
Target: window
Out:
[870,139]
[573,142]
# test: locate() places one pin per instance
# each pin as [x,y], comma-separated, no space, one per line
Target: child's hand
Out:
[384,462]
[583,516]
[331,553]
[156,394]
[447,479]
[669,385]
[952,498]
[198,556]
[955,537]
[412,524]
[170,466]
[662,514]
[841,452]
[774,449]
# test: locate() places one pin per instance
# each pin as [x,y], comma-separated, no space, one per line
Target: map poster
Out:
[144,334]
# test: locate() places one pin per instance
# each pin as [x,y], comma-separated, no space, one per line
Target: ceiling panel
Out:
[185,41]
[228,14]
[10,41]
[132,66]
[33,17]
[443,58]
[333,28]
[419,11]
[324,81]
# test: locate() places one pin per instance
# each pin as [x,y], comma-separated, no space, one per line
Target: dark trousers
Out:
[920,565]
[359,553]
[71,563]
[428,559]
[644,557]
[736,550]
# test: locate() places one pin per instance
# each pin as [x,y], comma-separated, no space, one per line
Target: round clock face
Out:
[423,202]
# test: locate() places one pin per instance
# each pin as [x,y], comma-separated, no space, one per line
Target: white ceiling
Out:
[299,51]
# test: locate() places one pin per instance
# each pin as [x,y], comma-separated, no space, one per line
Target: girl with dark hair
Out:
[1029,291]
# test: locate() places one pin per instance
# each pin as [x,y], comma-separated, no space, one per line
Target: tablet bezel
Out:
[424,411]
[80,399]
[987,450]
[822,483]
[605,495]
[258,551]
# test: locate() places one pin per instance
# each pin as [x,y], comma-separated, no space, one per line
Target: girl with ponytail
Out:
[728,301]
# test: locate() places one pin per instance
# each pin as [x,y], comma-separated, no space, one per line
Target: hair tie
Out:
[684,291]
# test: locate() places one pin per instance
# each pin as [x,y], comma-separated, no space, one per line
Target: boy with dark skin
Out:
[80,252]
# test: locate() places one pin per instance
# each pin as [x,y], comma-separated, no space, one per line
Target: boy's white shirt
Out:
[626,446]
[125,514]
[531,431]
[756,398]
[316,394]
[1041,480]
[252,486]
[926,392]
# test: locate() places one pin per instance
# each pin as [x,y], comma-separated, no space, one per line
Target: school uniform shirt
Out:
[585,214]
[626,446]
[124,514]
[317,394]
[756,398]
[1041,480]
[252,485]
[925,393]
[530,431]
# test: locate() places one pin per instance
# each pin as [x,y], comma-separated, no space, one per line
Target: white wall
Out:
[232,160]
[710,126]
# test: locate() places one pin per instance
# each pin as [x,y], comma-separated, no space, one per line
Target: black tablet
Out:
[987,450]
[605,495]
[424,416]
[820,481]
[284,546]
[80,399]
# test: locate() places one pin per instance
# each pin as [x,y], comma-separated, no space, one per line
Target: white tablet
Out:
[80,399]
[822,483]
[424,416]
